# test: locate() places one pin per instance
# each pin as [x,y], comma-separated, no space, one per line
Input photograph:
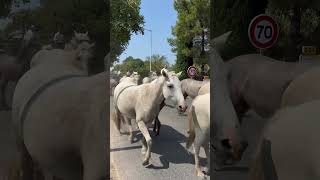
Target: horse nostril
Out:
[226,143]
[180,107]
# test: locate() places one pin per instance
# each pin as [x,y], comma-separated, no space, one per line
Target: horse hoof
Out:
[201,175]
[145,162]
[206,171]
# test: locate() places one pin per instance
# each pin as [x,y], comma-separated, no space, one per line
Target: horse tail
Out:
[116,117]
[191,117]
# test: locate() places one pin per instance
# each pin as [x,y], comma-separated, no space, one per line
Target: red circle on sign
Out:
[192,71]
[253,26]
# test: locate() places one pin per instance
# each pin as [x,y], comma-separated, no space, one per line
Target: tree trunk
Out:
[295,37]
[189,59]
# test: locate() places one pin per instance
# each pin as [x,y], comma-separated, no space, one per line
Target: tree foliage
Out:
[193,19]
[125,20]
[235,16]
[85,15]
[298,24]
[5,7]
[131,64]
[299,20]
[157,63]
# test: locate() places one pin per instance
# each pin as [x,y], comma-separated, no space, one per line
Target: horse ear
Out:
[179,74]
[75,33]
[164,73]
[220,41]
[86,33]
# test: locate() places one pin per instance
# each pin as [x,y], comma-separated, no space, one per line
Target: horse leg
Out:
[158,126]
[155,126]
[3,84]
[206,150]
[144,146]
[196,147]
[157,123]
[144,130]
[128,122]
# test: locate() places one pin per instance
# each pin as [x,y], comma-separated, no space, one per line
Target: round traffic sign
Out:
[263,31]
[192,71]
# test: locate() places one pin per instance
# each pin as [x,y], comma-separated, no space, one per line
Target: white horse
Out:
[157,123]
[49,134]
[149,79]
[226,139]
[199,134]
[76,39]
[289,146]
[135,76]
[82,53]
[190,87]
[113,84]
[142,103]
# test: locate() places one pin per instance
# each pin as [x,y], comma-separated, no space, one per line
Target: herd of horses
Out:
[285,94]
[59,113]
[59,117]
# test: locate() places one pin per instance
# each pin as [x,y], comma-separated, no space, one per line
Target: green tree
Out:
[235,16]
[86,15]
[131,64]
[157,63]
[295,12]
[5,7]
[125,20]
[193,19]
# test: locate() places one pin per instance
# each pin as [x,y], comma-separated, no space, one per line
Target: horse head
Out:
[84,53]
[135,76]
[226,135]
[80,37]
[171,90]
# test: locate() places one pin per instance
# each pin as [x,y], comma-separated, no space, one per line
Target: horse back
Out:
[259,81]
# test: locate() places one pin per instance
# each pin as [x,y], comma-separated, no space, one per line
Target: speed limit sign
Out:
[263,31]
[192,71]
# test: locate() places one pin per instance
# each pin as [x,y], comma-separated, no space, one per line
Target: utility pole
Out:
[150,46]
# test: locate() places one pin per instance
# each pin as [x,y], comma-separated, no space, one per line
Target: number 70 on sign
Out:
[263,31]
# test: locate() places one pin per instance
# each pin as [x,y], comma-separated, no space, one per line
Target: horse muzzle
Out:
[238,151]
[182,108]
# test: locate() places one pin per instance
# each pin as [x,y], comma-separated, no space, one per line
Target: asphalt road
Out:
[169,157]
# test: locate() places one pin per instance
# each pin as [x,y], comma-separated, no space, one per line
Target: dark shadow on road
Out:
[125,148]
[168,146]
[234,168]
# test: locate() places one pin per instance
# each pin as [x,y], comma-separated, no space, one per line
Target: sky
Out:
[32,4]
[159,16]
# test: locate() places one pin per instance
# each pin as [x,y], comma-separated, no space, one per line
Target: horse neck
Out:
[157,88]
[223,108]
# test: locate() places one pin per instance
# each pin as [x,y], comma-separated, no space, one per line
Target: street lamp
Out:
[150,45]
